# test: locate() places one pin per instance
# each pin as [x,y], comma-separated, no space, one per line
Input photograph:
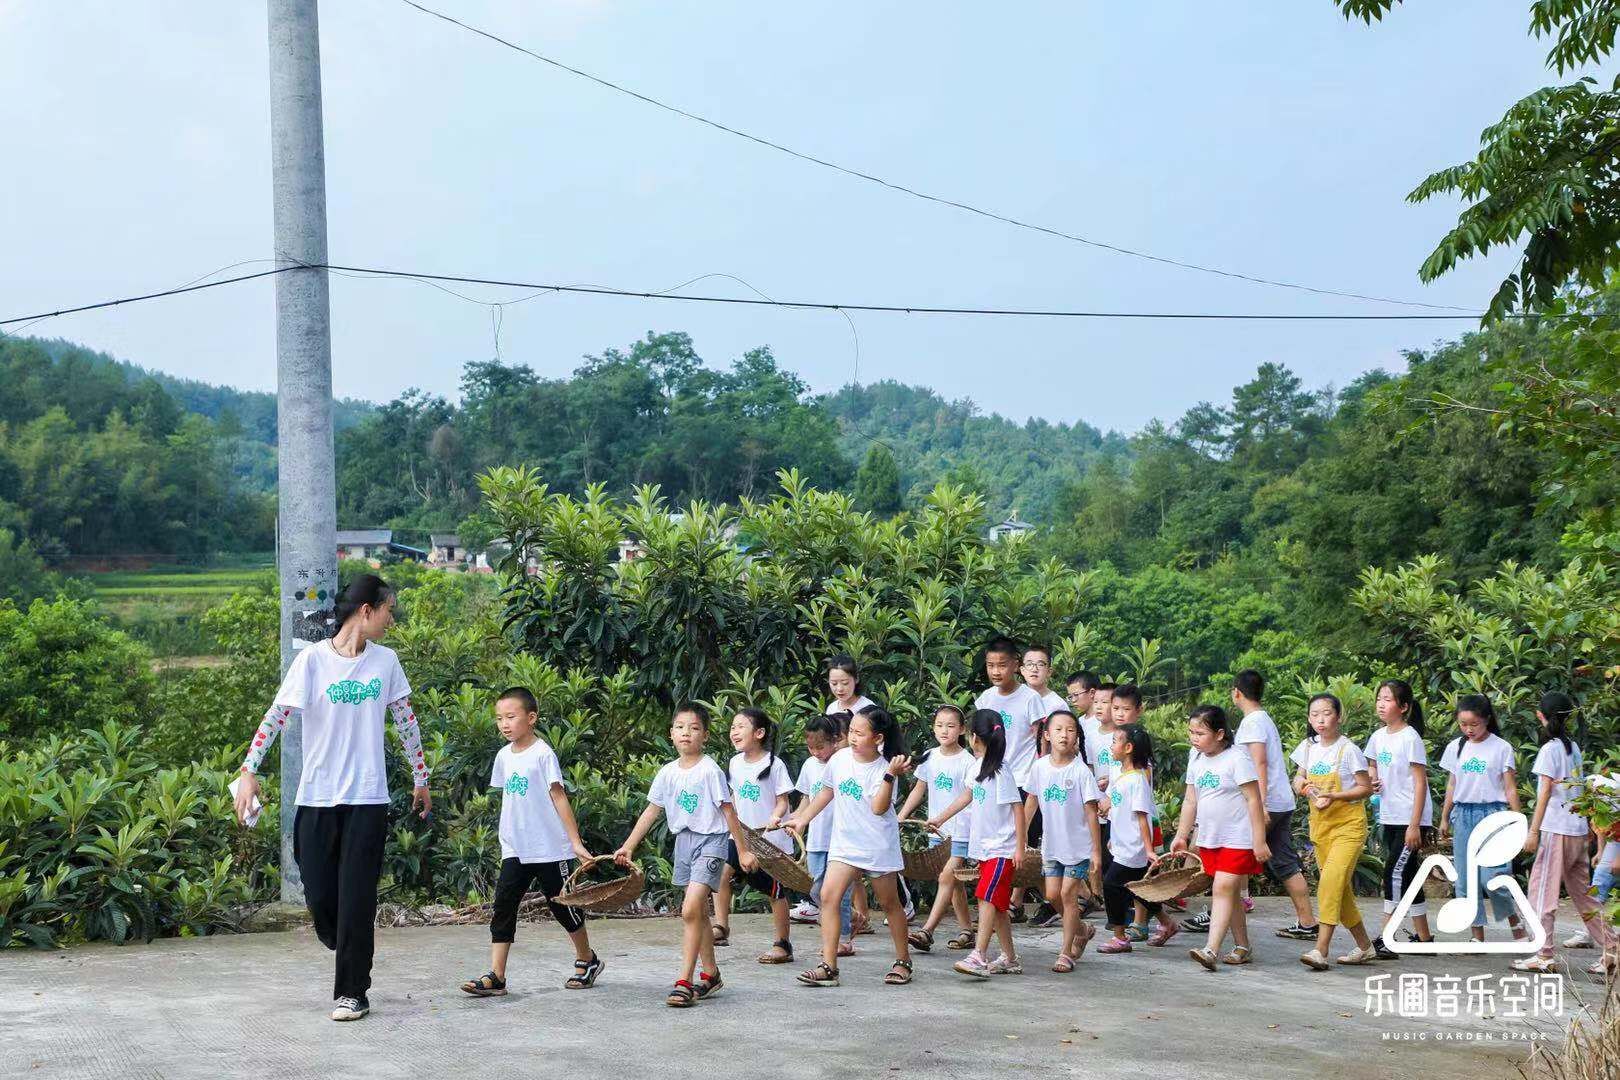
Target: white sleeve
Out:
[1301,754]
[550,771]
[1416,750]
[294,690]
[658,793]
[781,782]
[497,774]
[1448,757]
[1244,771]
[802,785]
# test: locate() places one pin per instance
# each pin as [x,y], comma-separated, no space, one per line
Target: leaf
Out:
[1497,839]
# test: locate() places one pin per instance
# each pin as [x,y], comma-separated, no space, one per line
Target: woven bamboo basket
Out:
[1436,886]
[613,894]
[924,865]
[1027,876]
[1181,873]
[791,872]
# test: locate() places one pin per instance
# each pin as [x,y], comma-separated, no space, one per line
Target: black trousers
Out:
[1117,898]
[518,878]
[339,851]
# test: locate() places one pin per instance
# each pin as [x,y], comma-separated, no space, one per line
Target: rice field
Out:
[163,605]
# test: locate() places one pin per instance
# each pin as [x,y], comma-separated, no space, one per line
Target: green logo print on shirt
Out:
[688,801]
[1474,764]
[1104,758]
[1053,793]
[1321,768]
[979,793]
[517,785]
[943,782]
[350,692]
[851,788]
[748,790]
[1385,757]
[1208,781]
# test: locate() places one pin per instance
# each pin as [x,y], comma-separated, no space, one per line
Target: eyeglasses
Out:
[1037,663]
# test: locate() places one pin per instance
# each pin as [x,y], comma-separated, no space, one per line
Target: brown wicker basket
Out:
[1178,874]
[1027,876]
[778,863]
[925,865]
[1436,886]
[600,896]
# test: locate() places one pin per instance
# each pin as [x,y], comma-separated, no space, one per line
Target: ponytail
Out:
[762,722]
[1557,707]
[1480,706]
[1401,690]
[988,730]
[367,589]
[886,728]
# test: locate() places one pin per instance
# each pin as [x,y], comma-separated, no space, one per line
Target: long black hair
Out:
[1214,718]
[1557,707]
[1332,699]
[1141,744]
[363,590]
[1401,690]
[763,723]
[1480,706]
[987,729]
[1079,729]
[961,740]
[886,728]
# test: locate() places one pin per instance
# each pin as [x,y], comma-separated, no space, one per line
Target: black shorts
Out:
[758,880]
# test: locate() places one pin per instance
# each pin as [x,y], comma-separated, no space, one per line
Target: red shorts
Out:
[1232,860]
[995,883]
[1158,837]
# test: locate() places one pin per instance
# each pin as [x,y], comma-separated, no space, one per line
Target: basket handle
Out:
[584,865]
[923,823]
[798,841]
[1175,860]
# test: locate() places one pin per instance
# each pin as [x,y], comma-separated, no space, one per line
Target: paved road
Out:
[254,1005]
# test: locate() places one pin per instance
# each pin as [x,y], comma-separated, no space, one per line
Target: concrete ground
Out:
[256,1005]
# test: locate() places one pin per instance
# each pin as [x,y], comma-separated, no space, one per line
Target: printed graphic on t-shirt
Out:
[1054,794]
[1385,757]
[851,788]
[688,801]
[815,788]
[1105,759]
[749,791]
[1208,781]
[351,692]
[517,785]
[979,793]
[1115,798]
[1474,764]
[943,782]
[1321,768]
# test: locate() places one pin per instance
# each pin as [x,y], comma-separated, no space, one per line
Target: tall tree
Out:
[877,485]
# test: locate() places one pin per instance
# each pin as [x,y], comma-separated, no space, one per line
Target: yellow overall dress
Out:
[1339,833]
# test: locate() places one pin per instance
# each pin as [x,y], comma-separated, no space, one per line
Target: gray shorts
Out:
[1284,862]
[699,858]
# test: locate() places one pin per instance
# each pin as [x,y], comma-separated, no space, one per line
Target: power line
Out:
[151,296]
[915,193]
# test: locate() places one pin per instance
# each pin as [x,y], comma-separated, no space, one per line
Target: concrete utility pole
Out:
[306,526]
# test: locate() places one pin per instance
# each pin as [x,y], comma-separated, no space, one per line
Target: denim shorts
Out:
[959,849]
[699,858]
[1053,868]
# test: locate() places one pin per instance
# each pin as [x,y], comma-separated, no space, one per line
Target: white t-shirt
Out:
[1128,796]
[947,777]
[1259,727]
[691,798]
[811,776]
[1020,712]
[860,837]
[1091,728]
[1318,760]
[754,789]
[1476,769]
[531,829]
[1395,755]
[994,822]
[861,702]
[1223,813]
[345,702]
[1101,755]
[1560,764]
[1063,794]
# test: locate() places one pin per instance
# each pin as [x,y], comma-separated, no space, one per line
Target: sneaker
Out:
[350,1008]
[1599,967]
[1384,952]
[1315,960]
[806,912]
[1003,966]
[1047,918]
[1199,921]
[1019,915]
[1114,945]
[973,964]
[1538,963]
[1580,939]
[1298,932]
[1358,956]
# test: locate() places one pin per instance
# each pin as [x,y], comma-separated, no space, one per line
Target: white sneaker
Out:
[1544,964]
[806,912]
[349,1008]
[1359,955]
[1580,939]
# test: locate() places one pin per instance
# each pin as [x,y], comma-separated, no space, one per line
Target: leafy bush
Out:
[64,668]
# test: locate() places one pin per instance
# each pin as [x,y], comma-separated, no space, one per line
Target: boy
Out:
[1037,672]
[538,838]
[695,796]
[1022,713]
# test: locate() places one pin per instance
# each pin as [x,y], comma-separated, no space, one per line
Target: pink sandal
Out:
[1117,945]
[1164,934]
[1064,965]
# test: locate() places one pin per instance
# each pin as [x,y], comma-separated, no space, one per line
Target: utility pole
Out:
[306,520]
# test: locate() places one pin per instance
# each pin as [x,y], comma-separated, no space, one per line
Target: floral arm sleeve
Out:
[275,720]
[410,737]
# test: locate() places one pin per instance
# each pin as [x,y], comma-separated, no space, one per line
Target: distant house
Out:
[444,549]
[1011,527]
[372,545]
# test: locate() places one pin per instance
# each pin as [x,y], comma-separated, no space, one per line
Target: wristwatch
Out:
[888,778]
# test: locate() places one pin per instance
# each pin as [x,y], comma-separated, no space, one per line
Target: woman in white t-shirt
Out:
[340,690]
[1558,839]
[1482,779]
[1397,763]
[1332,776]
[942,775]
[1223,800]
[859,785]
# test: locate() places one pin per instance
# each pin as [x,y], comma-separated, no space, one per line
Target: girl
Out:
[759,791]
[339,688]
[865,834]
[997,835]
[693,794]
[1333,778]
[538,838]
[1558,839]
[1131,838]
[943,775]
[1223,798]
[1063,788]
[823,737]
[1482,780]
[1397,764]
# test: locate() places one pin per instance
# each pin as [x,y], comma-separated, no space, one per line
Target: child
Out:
[1558,838]
[538,838]
[1397,763]
[1131,837]
[1223,798]
[1333,778]
[1067,794]
[861,778]
[1257,734]
[1101,748]
[759,791]
[997,837]
[1036,670]
[1126,706]
[692,793]
[823,737]
[1022,712]
[1081,688]
[943,774]
[1481,780]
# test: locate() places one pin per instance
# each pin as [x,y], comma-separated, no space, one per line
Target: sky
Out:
[1270,138]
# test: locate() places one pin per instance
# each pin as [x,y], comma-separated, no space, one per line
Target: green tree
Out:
[877,485]
[62,668]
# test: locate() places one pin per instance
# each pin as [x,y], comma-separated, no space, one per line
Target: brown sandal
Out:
[722,935]
[899,973]
[920,939]
[784,956]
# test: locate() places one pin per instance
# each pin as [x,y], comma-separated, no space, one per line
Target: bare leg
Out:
[497,958]
[1240,918]
[697,941]
[1300,893]
[1223,898]
[838,879]
[722,901]
[887,889]
[945,896]
[964,915]
[1066,898]
[1004,932]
